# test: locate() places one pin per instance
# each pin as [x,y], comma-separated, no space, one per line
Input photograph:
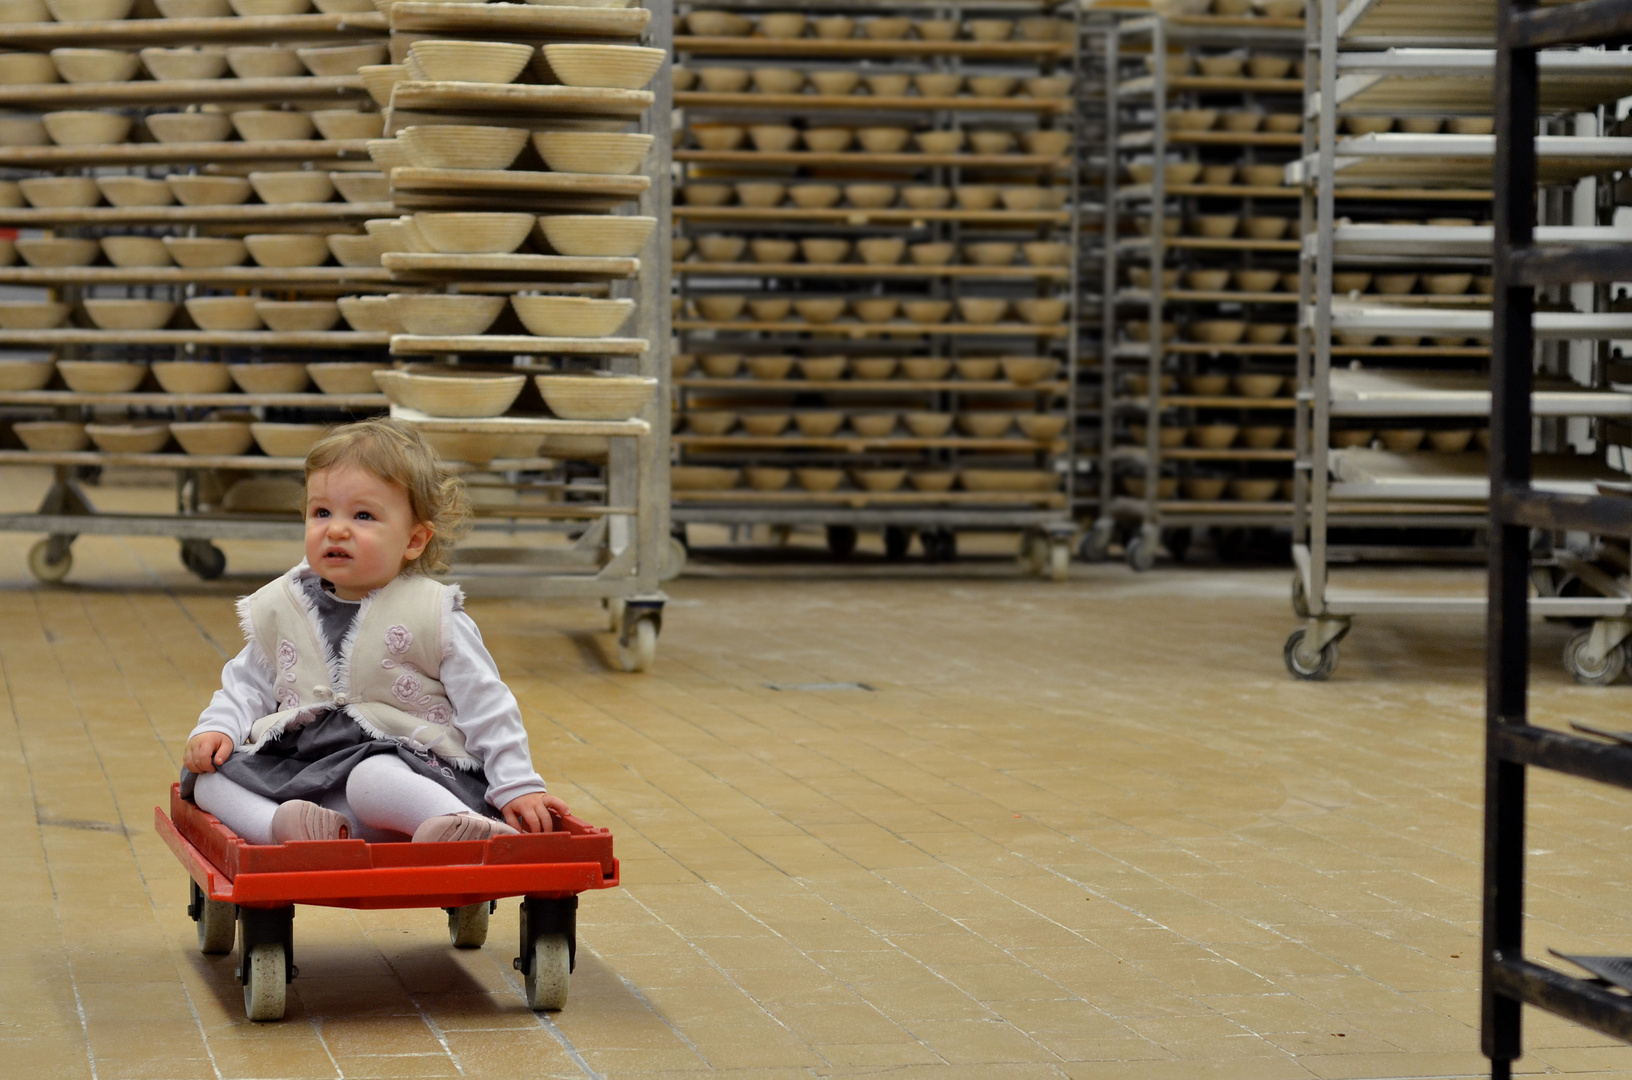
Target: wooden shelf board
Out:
[180,91]
[698,99]
[1195,453]
[972,386]
[865,160]
[1233,296]
[522,98]
[544,267]
[203,401]
[481,183]
[327,339]
[1133,192]
[856,216]
[885,330]
[856,444]
[176,460]
[1192,401]
[1138,139]
[857,48]
[515,344]
[1234,84]
[53,157]
[126,33]
[864,270]
[193,215]
[859,499]
[1202,243]
[514,21]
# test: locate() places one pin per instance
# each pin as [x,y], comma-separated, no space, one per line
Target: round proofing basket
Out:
[595,397]
[459,395]
[572,316]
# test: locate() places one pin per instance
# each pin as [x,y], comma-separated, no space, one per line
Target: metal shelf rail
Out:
[1518,508]
[1431,64]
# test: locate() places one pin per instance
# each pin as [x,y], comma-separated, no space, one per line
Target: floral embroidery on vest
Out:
[286,698]
[398,638]
[288,657]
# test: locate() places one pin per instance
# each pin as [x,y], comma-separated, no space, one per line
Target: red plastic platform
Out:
[354,874]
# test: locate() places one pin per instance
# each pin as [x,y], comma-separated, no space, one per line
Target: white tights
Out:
[384,800]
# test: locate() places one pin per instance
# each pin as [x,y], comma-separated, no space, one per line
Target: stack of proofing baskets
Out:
[484,158]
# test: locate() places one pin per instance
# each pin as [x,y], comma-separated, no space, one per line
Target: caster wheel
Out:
[1141,553]
[1096,542]
[547,982]
[1033,557]
[467,926]
[674,560]
[841,540]
[217,926]
[267,984]
[1323,667]
[614,614]
[1059,561]
[896,542]
[1602,673]
[1300,598]
[204,559]
[637,651]
[41,566]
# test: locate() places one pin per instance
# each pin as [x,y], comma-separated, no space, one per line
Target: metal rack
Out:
[1152,383]
[608,495]
[1095,25]
[1011,479]
[1431,63]
[1524,262]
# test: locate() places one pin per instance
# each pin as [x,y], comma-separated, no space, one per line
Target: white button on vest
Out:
[342,699]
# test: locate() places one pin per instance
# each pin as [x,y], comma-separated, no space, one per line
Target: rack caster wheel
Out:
[217,922]
[940,545]
[41,566]
[1588,673]
[1142,551]
[266,982]
[1096,542]
[674,559]
[467,926]
[203,558]
[841,540]
[1033,556]
[614,614]
[1322,668]
[637,647]
[1059,560]
[896,542]
[548,981]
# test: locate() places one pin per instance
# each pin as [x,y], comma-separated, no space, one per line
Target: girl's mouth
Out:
[336,553]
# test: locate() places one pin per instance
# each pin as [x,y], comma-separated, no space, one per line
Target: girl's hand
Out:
[206,751]
[531,813]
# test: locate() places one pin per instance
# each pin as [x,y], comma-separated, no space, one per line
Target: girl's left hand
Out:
[531,813]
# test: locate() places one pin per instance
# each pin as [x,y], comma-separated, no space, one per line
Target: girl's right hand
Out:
[206,751]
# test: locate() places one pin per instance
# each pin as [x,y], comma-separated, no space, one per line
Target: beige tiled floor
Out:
[1089,830]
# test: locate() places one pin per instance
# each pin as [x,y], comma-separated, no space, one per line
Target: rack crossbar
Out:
[1558,265]
[1607,515]
[1590,22]
[1603,762]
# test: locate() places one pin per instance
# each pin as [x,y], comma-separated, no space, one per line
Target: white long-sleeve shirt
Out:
[485,711]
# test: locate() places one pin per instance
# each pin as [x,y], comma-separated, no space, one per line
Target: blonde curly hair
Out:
[394,452]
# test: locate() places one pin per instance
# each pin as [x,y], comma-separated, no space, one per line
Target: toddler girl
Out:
[365,703]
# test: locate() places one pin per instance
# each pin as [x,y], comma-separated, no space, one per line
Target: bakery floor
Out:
[939,823]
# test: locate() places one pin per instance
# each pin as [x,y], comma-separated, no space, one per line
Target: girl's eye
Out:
[364,515]
[320,513]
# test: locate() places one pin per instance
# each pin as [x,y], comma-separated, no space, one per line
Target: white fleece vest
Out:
[385,676]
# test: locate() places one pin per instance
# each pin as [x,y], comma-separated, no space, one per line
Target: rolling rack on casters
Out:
[1524,261]
[882,320]
[1203,136]
[1423,65]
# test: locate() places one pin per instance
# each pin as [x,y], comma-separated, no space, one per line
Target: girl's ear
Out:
[418,538]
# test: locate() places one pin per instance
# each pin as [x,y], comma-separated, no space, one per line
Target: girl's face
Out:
[360,530]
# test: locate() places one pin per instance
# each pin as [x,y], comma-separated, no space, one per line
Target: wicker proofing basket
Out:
[129,438]
[102,376]
[596,397]
[601,152]
[459,395]
[18,375]
[223,438]
[52,436]
[572,316]
[192,377]
[286,440]
[445,315]
[471,61]
[624,67]
[346,376]
[463,146]
[603,235]
[474,233]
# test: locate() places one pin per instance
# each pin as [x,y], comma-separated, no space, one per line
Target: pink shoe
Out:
[302,820]
[450,828]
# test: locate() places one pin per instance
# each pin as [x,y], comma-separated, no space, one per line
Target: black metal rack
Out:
[1512,743]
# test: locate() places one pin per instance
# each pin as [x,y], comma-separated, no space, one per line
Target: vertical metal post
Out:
[647,460]
[1508,631]
[1107,332]
[1320,434]
[1158,263]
